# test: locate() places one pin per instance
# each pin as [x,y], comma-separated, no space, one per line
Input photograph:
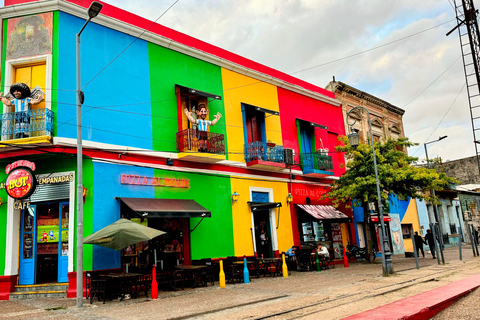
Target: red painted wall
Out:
[12,2]
[294,105]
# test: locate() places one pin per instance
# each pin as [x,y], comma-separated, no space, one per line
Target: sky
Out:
[395,50]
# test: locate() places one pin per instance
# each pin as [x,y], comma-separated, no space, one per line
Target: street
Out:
[329,294]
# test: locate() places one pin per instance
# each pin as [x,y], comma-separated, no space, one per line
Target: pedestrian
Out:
[419,242]
[431,242]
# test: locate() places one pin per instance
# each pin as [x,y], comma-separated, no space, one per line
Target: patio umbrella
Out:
[121,234]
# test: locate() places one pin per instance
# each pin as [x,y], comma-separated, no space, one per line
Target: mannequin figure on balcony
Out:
[202,125]
[21,98]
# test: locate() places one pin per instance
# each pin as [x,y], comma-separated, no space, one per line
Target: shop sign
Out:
[153,181]
[20,183]
[56,179]
[313,193]
[19,205]
[20,163]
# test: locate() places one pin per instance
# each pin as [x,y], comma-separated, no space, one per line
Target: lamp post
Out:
[93,11]
[435,209]
[354,138]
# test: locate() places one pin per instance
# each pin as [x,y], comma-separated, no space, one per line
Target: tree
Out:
[396,176]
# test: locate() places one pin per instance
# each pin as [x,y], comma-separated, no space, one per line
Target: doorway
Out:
[263,234]
[44,243]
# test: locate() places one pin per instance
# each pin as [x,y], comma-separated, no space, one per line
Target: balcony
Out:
[317,165]
[190,149]
[33,126]
[264,156]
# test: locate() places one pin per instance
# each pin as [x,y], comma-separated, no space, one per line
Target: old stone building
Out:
[464,170]
[386,118]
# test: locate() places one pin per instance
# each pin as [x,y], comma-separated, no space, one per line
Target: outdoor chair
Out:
[208,275]
[304,260]
[144,283]
[98,289]
[233,272]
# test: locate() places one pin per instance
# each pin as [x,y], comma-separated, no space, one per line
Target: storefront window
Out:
[27,246]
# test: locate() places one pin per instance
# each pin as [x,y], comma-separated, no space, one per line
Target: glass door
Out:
[63,248]
[28,254]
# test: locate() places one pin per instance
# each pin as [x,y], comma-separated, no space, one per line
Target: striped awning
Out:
[322,212]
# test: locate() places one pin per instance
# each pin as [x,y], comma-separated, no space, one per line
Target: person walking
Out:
[419,242]
[431,242]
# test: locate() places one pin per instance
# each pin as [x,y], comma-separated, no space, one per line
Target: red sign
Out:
[20,163]
[20,183]
[153,181]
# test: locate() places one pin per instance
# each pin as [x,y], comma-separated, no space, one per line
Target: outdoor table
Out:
[122,283]
[193,273]
[270,266]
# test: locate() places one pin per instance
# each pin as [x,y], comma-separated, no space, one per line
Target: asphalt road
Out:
[329,294]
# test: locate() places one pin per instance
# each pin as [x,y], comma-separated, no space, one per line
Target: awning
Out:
[386,218]
[201,93]
[264,205]
[322,212]
[313,124]
[166,208]
[267,111]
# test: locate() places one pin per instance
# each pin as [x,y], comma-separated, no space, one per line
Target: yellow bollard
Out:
[284,266]
[222,275]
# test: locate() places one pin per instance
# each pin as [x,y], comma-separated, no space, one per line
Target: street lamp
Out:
[435,209]
[93,11]
[354,138]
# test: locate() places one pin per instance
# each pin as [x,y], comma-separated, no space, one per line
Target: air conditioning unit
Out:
[323,151]
[288,157]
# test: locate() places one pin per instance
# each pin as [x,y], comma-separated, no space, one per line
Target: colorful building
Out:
[253,183]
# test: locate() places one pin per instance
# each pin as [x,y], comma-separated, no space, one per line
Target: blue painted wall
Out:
[122,90]
[398,206]
[106,209]
[422,217]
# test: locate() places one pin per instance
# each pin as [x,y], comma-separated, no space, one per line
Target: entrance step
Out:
[57,290]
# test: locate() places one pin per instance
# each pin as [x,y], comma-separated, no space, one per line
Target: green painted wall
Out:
[55,49]
[168,68]
[213,237]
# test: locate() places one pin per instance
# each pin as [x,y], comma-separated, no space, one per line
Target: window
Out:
[189,98]
[255,124]
[407,231]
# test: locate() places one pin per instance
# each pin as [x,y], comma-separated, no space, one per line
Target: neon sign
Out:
[154,181]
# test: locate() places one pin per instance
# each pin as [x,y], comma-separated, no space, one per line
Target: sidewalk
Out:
[329,294]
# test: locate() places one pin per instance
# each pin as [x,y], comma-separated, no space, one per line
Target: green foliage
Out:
[396,175]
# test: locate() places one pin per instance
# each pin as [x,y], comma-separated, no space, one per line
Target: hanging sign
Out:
[21,182]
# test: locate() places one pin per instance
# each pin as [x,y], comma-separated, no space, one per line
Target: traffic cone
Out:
[154,284]
[345,258]
[221,277]
[284,266]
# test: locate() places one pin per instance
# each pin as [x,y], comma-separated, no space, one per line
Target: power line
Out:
[419,148]
[145,30]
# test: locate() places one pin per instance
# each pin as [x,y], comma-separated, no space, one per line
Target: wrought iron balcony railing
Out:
[27,124]
[263,151]
[317,161]
[192,140]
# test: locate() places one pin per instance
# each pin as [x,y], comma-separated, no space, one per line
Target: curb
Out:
[421,306]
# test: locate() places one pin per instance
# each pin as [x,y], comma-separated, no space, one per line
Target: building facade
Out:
[252,184]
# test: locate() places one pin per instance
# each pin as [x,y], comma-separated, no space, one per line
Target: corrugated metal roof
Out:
[322,212]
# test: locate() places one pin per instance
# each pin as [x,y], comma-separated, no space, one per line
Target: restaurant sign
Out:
[154,181]
[21,182]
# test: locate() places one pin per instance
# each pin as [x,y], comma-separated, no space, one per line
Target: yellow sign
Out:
[19,205]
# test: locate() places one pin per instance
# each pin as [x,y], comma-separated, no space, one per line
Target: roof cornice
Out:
[349,90]
[41,6]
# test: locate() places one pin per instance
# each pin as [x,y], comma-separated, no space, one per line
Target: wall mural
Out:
[29,36]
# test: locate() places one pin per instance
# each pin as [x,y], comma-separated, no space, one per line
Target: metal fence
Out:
[259,150]
[318,161]
[26,124]
[200,141]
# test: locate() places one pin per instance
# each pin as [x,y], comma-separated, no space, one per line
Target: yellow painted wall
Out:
[238,89]
[32,76]
[411,217]
[242,216]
